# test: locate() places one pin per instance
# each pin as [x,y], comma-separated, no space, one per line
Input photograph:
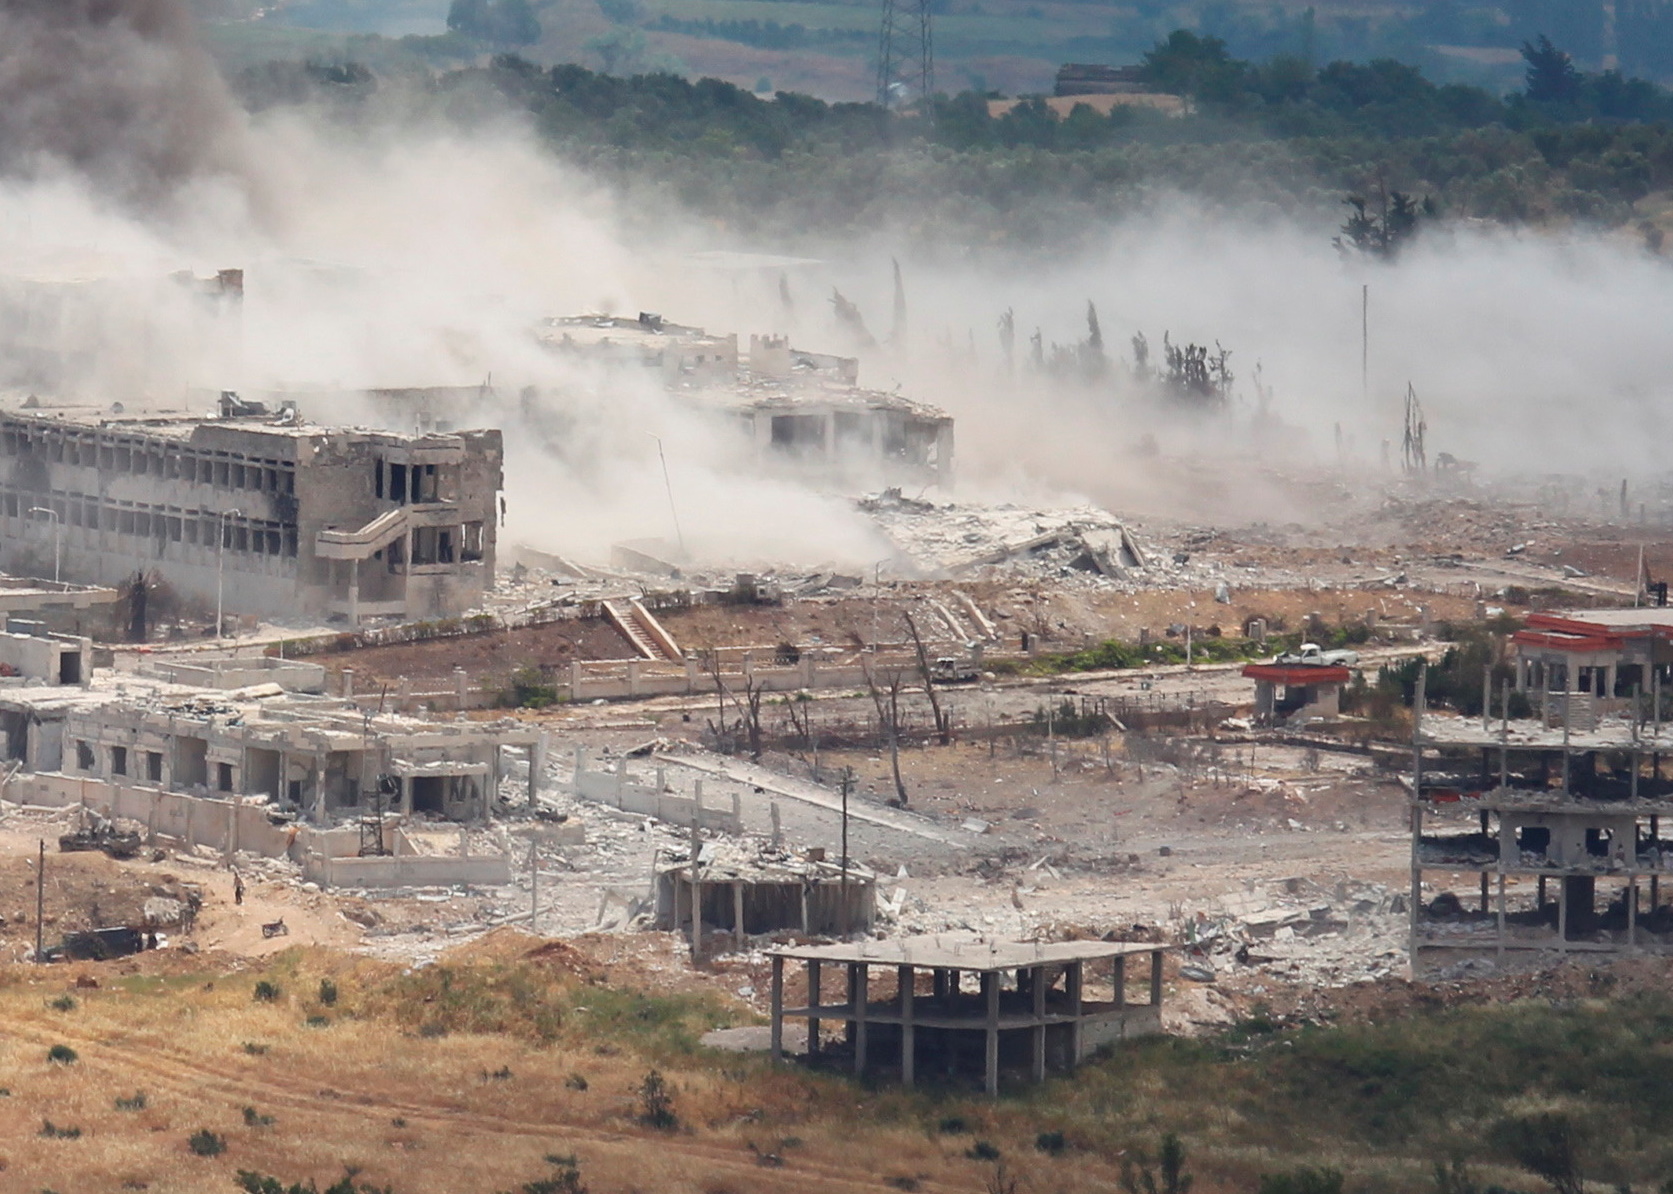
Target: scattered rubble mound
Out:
[1474,982]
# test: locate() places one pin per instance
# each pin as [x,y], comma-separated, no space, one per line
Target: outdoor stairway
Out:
[638,627]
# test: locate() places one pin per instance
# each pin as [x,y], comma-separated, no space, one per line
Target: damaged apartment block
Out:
[792,411]
[279,516]
[1557,811]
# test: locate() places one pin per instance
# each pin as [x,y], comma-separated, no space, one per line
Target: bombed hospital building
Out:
[794,412]
[275,515]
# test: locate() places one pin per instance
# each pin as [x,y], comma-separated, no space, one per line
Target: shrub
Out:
[1305,1180]
[327,992]
[266,992]
[318,1021]
[953,1125]
[61,1054]
[565,1180]
[1052,1143]
[576,1082]
[53,1132]
[136,1103]
[205,1143]
[982,1150]
[1137,1178]
[253,1119]
[656,1103]
[1547,1145]
[255,1050]
[64,1003]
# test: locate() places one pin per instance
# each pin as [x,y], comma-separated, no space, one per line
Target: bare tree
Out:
[943,721]
[887,700]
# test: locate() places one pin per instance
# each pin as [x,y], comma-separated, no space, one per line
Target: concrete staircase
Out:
[638,627]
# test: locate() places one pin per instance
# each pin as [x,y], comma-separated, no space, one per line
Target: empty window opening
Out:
[85,760]
[223,777]
[119,760]
[154,766]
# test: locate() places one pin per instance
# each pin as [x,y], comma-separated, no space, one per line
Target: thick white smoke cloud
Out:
[411,254]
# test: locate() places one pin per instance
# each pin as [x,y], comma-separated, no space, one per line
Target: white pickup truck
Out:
[1313,655]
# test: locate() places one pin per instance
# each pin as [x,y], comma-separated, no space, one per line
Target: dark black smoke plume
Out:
[116,90]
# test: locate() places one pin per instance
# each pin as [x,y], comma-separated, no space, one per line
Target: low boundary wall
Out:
[615,789]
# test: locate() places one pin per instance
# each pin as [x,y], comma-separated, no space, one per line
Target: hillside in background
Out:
[828,47]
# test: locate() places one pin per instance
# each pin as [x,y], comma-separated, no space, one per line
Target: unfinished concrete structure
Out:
[281,516]
[771,891]
[1556,820]
[797,412]
[1287,694]
[1033,1009]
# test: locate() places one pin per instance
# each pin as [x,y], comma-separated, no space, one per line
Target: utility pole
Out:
[847,783]
[1365,345]
[669,486]
[40,906]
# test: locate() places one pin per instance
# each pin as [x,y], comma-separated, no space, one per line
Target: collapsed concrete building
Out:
[1556,813]
[750,894]
[796,412]
[280,516]
[344,790]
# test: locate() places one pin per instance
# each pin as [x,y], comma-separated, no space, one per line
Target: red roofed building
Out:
[1602,654]
[1286,693]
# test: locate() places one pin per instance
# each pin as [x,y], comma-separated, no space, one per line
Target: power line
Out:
[905,53]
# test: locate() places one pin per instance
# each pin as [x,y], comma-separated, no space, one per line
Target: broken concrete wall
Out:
[193,820]
[653,800]
[406,870]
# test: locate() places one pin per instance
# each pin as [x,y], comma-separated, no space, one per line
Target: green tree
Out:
[1551,75]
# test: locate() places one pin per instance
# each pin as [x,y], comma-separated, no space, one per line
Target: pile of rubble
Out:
[1300,932]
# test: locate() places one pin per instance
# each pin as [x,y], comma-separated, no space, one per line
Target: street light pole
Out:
[220,570]
[52,514]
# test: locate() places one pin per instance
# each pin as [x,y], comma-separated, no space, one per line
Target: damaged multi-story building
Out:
[796,412]
[253,506]
[1553,801]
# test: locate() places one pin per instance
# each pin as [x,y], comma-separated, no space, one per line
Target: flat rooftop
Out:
[187,425]
[1644,620]
[975,953]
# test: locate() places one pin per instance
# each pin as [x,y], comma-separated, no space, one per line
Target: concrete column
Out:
[406,796]
[319,789]
[346,677]
[461,686]
[907,978]
[813,976]
[354,593]
[860,987]
[690,675]
[537,764]
[738,912]
[574,679]
[1039,1032]
[1156,978]
[1073,981]
[778,1007]
[990,1067]
[633,677]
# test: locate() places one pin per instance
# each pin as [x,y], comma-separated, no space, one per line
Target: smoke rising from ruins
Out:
[410,255]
